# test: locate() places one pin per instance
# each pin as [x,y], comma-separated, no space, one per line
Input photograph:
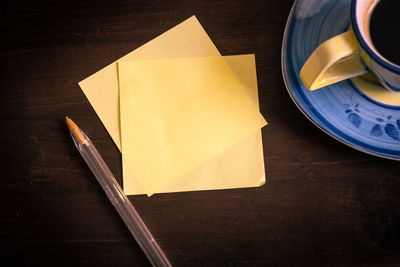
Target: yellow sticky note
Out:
[239,166]
[177,114]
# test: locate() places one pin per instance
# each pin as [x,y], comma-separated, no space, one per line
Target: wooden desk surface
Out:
[323,204]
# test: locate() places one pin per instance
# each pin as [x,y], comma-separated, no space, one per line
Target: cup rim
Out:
[384,63]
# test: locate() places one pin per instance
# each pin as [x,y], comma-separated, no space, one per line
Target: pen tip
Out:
[71,125]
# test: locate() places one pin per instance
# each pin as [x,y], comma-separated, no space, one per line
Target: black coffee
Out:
[385,29]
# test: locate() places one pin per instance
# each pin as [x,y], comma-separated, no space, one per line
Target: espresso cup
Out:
[351,54]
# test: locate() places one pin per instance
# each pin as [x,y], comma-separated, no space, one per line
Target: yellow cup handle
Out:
[334,60]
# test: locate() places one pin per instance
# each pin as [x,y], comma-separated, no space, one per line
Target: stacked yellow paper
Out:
[184,117]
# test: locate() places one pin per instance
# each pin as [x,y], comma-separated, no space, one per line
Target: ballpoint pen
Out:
[117,197]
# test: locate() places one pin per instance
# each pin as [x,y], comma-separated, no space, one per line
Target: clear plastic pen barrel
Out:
[121,203]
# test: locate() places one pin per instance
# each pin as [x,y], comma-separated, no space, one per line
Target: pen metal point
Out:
[74,130]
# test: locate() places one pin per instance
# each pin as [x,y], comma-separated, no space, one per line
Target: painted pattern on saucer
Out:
[354,112]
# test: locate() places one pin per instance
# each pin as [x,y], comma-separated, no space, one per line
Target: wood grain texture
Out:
[323,203]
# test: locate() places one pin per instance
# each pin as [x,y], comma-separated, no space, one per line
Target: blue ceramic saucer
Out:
[346,110]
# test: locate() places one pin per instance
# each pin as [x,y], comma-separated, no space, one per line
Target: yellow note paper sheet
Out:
[177,114]
[242,165]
